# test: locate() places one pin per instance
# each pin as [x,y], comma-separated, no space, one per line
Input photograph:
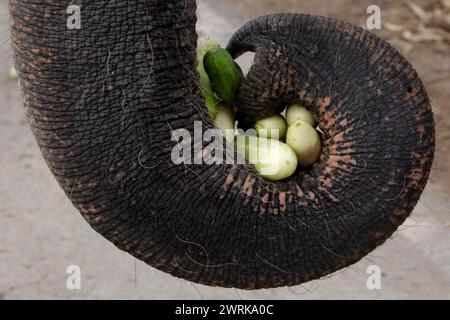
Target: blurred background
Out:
[41,234]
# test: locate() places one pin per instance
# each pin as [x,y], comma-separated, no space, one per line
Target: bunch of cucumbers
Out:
[281,145]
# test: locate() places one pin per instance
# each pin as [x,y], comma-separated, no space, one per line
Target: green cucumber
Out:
[224,74]
[204,45]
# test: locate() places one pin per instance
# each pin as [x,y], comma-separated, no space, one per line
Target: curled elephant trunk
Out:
[103,100]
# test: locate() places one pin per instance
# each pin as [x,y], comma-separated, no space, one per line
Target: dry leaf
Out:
[394,27]
[423,36]
[418,11]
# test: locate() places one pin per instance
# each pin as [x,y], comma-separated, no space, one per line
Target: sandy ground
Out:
[41,234]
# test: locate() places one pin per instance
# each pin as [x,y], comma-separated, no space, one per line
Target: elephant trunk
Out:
[103,101]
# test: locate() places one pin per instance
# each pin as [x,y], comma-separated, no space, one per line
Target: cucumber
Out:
[204,45]
[266,127]
[225,121]
[272,159]
[224,74]
[13,73]
[305,141]
[297,112]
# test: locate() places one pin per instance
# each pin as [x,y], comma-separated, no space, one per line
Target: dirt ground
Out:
[41,234]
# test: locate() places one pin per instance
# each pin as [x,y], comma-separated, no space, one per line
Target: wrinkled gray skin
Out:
[102,102]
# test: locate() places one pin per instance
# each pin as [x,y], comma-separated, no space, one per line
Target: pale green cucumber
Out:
[297,112]
[273,127]
[272,159]
[305,141]
[225,121]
